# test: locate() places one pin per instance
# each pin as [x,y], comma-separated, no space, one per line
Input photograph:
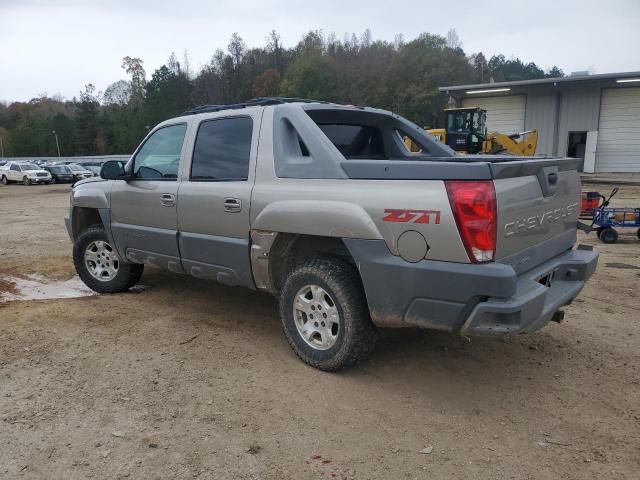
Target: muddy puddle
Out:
[37,287]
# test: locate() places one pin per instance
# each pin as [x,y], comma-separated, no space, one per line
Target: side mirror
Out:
[112,170]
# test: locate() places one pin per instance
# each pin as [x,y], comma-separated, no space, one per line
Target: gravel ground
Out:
[190,379]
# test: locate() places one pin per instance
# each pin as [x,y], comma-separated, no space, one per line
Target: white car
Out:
[26,173]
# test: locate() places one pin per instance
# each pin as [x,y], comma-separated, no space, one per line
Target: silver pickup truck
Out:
[324,206]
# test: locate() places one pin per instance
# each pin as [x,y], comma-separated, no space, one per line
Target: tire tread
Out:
[127,277]
[345,281]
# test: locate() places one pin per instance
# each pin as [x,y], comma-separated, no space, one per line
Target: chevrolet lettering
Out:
[536,221]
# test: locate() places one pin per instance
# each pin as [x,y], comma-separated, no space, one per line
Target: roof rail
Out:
[254,102]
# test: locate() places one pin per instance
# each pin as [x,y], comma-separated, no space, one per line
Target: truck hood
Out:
[89,180]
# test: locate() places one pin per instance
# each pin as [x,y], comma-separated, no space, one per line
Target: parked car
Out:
[93,167]
[26,173]
[326,208]
[60,173]
[79,172]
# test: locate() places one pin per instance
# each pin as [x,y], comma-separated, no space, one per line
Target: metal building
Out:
[594,117]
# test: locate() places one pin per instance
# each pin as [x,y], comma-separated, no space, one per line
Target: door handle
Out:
[167,200]
[232,205]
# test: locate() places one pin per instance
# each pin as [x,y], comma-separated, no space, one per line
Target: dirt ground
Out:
[190,379]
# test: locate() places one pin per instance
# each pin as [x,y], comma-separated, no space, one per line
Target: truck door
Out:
[14,173]
[143,209]
[214,199]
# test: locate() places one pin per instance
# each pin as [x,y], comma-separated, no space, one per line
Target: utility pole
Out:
[57,144]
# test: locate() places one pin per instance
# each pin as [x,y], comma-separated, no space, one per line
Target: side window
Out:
[15,168]
[159,157]
[355,141]
[222,150]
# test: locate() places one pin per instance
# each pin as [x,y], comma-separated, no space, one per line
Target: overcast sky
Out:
[57,46]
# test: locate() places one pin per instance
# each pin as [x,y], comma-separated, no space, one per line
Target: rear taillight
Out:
[474,208]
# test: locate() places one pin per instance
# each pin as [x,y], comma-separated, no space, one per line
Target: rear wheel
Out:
[5,181]
[99,266]
[325,316]
[609,235]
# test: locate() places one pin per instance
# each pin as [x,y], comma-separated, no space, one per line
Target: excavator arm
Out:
[499,143]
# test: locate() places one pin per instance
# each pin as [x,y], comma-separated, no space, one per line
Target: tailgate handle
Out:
[548,179]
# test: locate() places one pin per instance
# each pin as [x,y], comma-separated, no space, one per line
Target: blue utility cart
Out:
[607,220]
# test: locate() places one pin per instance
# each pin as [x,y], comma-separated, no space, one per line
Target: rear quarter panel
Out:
[350,208]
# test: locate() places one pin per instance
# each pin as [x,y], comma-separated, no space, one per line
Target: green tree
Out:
[311,77]
[86,121]
[554,72]
[134,67]
[168,94]
[415,73]
[267,84]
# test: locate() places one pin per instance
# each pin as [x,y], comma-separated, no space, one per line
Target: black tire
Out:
[356,334]
[128,273]
[609,235]
[598,232]
[53,180]
[26,181]
[638,233]
[5,180]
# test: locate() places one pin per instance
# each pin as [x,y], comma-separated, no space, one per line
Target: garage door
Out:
[504,114]
[618,148]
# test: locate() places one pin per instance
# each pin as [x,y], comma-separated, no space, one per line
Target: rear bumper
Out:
[473,299]
[540,293]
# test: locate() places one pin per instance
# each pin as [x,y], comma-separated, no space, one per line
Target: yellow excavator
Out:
[466,132]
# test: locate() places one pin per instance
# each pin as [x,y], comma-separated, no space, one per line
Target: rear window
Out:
[355,141]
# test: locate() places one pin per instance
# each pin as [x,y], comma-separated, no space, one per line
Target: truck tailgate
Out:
[538,208]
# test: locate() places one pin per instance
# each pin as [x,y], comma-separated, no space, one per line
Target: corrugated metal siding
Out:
[541,115]
[579,112]
[505,114]
[618,148]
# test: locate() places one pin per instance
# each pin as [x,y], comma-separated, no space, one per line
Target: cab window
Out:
[222,150]
[159,157]
[459,122]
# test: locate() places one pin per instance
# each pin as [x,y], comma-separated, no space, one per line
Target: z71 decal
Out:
[414,216]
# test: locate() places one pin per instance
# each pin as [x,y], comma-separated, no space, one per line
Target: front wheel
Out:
[26,181]
[99,266]
[52,181]
[324,314]
[609,235]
